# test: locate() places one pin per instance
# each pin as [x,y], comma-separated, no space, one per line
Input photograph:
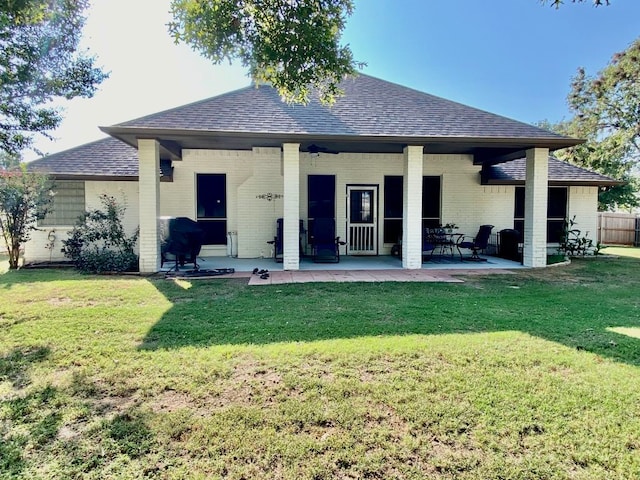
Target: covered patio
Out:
[258,153]
[383,268]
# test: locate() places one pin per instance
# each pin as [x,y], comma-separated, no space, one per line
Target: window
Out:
[556,212]
[430,202]
[392,208]
[212,207]
[67,205]
[322,196]
[393,205]
[322,199]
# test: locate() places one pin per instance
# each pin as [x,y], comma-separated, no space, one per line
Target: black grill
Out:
[181,238]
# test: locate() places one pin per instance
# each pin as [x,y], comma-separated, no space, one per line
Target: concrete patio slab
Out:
[352,269]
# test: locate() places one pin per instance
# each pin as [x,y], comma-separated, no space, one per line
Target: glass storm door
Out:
[362,218]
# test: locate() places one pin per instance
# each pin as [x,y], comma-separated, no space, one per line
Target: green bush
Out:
[573,243]
[98,242]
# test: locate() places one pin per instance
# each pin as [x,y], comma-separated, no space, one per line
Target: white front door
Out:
[362,220]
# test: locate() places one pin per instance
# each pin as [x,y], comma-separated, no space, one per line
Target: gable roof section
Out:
[373,116]
[560,173]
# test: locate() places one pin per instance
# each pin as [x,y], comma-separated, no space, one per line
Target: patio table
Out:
[446,243]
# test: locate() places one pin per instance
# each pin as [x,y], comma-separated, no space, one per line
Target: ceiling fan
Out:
[315,149]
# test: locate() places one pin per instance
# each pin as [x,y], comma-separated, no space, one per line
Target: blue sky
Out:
[511,57]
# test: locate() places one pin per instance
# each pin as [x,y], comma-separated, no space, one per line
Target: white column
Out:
[412,208]
[149,200]
[535,208]
[291,206]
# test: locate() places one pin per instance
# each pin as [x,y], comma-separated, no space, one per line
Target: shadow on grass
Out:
[32,424]
[572,305]
[15,365]
[35,422]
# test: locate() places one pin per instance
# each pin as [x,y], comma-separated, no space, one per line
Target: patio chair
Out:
[428,244]
[478,244]
[326,245]
[277,242]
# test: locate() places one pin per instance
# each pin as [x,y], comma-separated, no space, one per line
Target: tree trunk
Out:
[14,257]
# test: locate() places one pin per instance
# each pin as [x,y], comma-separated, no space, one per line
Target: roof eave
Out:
[130,134]
[557,182]
[97,177]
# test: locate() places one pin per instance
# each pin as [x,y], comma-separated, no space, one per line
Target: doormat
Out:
[200,273]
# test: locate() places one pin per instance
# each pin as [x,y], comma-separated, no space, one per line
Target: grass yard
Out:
[528,376]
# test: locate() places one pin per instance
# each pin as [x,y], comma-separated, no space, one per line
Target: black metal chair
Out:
[278,249]
[277,242]
[478,244]
[428,243]
[326,245]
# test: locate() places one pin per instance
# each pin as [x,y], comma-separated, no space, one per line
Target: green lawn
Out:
[534,375]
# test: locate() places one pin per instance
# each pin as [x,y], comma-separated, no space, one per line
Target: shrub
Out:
[573,243]
[98,242]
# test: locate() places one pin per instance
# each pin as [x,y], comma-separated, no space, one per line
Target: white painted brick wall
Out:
[254,173]
[535,217]
[583,203]
[256,222]
[249,175]
[35,249]
[149,193]
[126,193]
[412,208]
[291,177]
[465,201]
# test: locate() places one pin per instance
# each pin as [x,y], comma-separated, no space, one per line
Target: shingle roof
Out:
[560,173]
[108,157]
[370,107]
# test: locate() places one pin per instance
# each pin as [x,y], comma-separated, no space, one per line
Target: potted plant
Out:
[450,227]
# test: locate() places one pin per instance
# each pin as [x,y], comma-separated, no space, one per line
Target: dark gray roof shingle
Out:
[108,157]
[370,107]
[560,173]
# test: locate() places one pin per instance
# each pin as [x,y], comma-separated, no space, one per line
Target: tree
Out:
[9,161]
[607,114]
[39,63]
[292,44]
[25,198]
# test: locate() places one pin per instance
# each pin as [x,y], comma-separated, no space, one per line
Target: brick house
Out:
[241,160]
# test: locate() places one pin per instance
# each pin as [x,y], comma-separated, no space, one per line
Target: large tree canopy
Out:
[40,62]
[606,111]
[292,44]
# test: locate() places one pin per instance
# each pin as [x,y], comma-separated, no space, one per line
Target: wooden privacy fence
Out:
[618,229]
